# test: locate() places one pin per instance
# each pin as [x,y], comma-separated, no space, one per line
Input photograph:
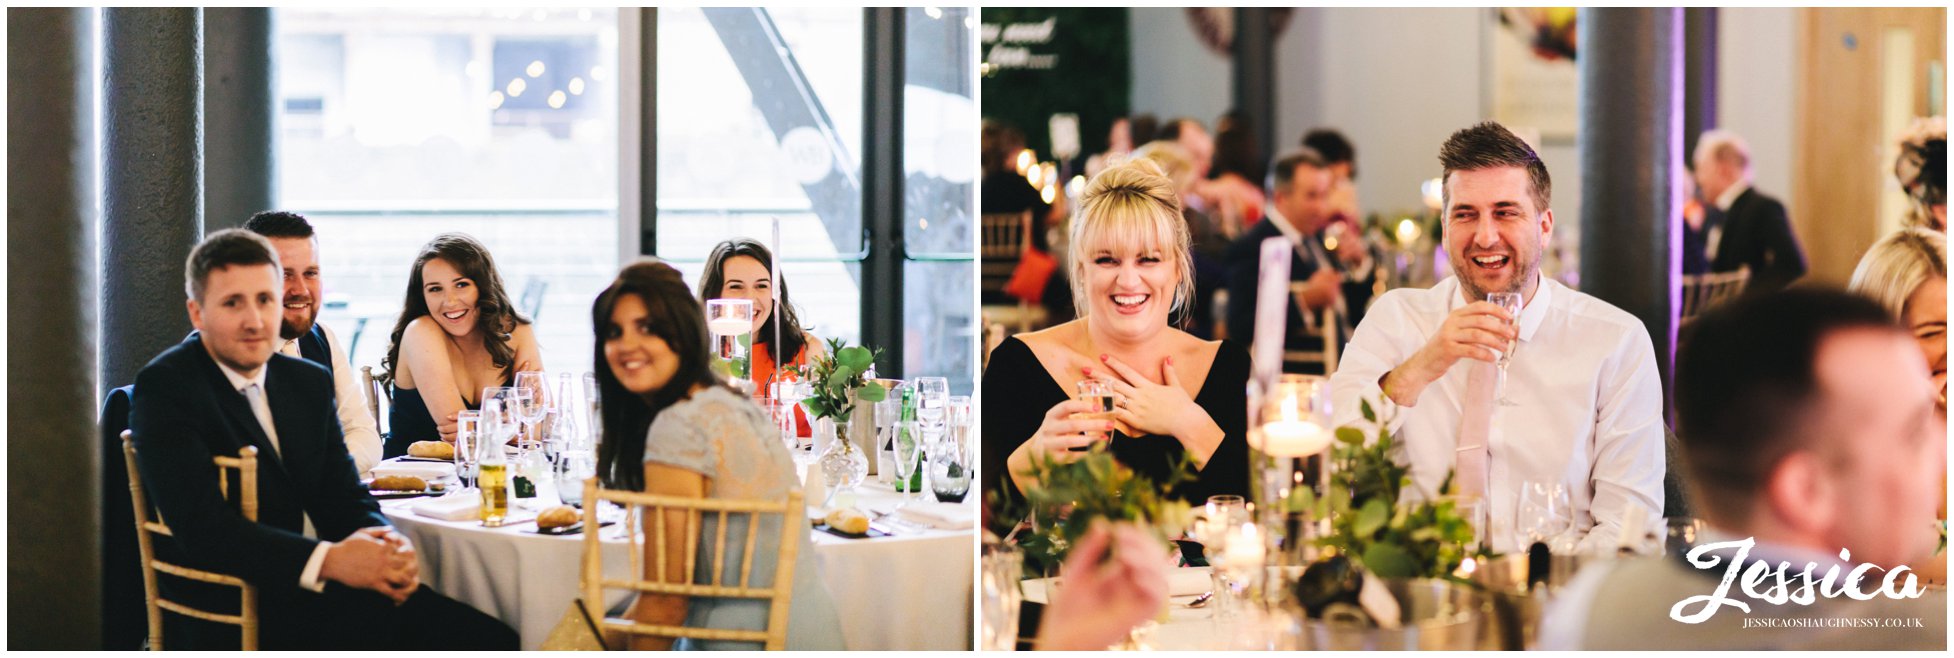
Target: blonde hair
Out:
[1174,161]
[1896,266]
[1132,204]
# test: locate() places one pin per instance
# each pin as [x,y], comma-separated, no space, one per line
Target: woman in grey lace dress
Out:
[672,427]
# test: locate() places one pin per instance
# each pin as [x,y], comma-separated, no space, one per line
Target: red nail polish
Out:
[1102,358]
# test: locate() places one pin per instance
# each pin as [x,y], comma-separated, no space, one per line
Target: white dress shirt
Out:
[253,390]
[1582,406]
[355,420]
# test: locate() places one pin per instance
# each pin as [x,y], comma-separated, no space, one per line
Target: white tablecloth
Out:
[911,591]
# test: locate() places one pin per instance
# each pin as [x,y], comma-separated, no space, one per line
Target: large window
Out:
[401,124]
[760,117]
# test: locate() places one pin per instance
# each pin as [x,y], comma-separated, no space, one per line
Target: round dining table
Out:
[910,590]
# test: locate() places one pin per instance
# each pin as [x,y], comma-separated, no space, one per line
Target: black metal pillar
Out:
[647,130]
[54,593]
[1632,165]
[152,177]
[1253,67]
[882,64]
[1699,75]
[240,99]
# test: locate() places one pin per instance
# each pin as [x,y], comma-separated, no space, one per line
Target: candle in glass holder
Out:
[1291,418]
[1244,547]
[1293,438]
[728,320]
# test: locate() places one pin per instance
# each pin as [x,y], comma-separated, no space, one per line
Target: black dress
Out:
[409,421]
[1018,391]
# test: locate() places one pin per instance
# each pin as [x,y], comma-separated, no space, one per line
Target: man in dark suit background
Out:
[1744,228]
[329,570]
[1298,210]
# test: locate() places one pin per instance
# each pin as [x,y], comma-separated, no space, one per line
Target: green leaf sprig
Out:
[1071,494]
[833,375]
[1370,519]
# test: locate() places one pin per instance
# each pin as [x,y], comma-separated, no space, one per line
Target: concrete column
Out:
[152,175]
[1699,75]
[1254,74]
[240,97]
[53,529]
[1632,166]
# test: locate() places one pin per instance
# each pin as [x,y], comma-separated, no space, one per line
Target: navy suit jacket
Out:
[1757,232]
[1245,270]
[185,411]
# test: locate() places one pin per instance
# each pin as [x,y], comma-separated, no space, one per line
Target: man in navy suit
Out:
[329,570]
[1298,211]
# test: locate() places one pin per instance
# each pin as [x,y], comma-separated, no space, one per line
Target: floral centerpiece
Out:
[838,381]
[1373,522]
[1071,494]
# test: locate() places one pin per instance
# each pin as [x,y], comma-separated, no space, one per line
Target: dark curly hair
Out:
[494,312]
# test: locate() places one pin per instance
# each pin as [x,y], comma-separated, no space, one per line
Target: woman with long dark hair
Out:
[672,427]
[742,268]
[458,333]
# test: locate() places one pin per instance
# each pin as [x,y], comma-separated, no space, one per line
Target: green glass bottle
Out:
[904,423]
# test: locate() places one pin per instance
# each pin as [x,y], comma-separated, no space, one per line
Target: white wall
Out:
[1757,57]
[1173,74]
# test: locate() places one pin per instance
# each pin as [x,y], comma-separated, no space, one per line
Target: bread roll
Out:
[399,483]
[561,516]
[849,520]
[431,449]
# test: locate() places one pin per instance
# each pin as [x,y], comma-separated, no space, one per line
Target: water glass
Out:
[1002,568]
[1544,511]
[533,403]
[572,468]
[509,420]
[949,460]
[932,399]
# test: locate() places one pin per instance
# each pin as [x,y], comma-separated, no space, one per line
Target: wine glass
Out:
[468,426]
[909,452]
[1544,511]
[949,463]
[505,398]
[532,404]
[932,394]
[1511,302]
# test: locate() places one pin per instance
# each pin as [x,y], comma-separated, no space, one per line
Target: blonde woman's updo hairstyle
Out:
[1173,160]
[1131,206]
[1898,264]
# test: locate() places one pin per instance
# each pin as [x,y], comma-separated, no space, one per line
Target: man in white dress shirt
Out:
[304,337]
[1581,404]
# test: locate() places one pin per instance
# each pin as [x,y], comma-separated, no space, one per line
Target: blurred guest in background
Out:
[1922,171]
[1119,143]
[1175,395]
[1298,212]
[1004,189]
[1341,157]
[1906,272]
[1744,228]
[1234,193]
[458,333]
[1579,398]
[1206,243]
[1808,428]
[1143,128]
[307,338]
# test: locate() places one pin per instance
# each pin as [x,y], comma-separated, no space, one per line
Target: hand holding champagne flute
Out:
[1099,396]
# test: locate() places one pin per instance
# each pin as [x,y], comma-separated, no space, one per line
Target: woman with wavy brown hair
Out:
[458,333]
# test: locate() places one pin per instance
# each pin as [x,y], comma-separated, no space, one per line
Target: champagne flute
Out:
[909,453]
[468,440]
[1511,302]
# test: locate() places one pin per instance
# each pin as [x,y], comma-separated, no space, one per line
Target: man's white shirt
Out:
[1582,406]
[355,421]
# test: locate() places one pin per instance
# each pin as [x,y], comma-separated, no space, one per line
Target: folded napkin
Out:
[422,470]
[942,516]
[461,506]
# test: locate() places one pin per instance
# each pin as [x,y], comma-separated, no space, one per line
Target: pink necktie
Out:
[1475,427]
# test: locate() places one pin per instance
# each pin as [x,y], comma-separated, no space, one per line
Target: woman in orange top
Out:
[742,268]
